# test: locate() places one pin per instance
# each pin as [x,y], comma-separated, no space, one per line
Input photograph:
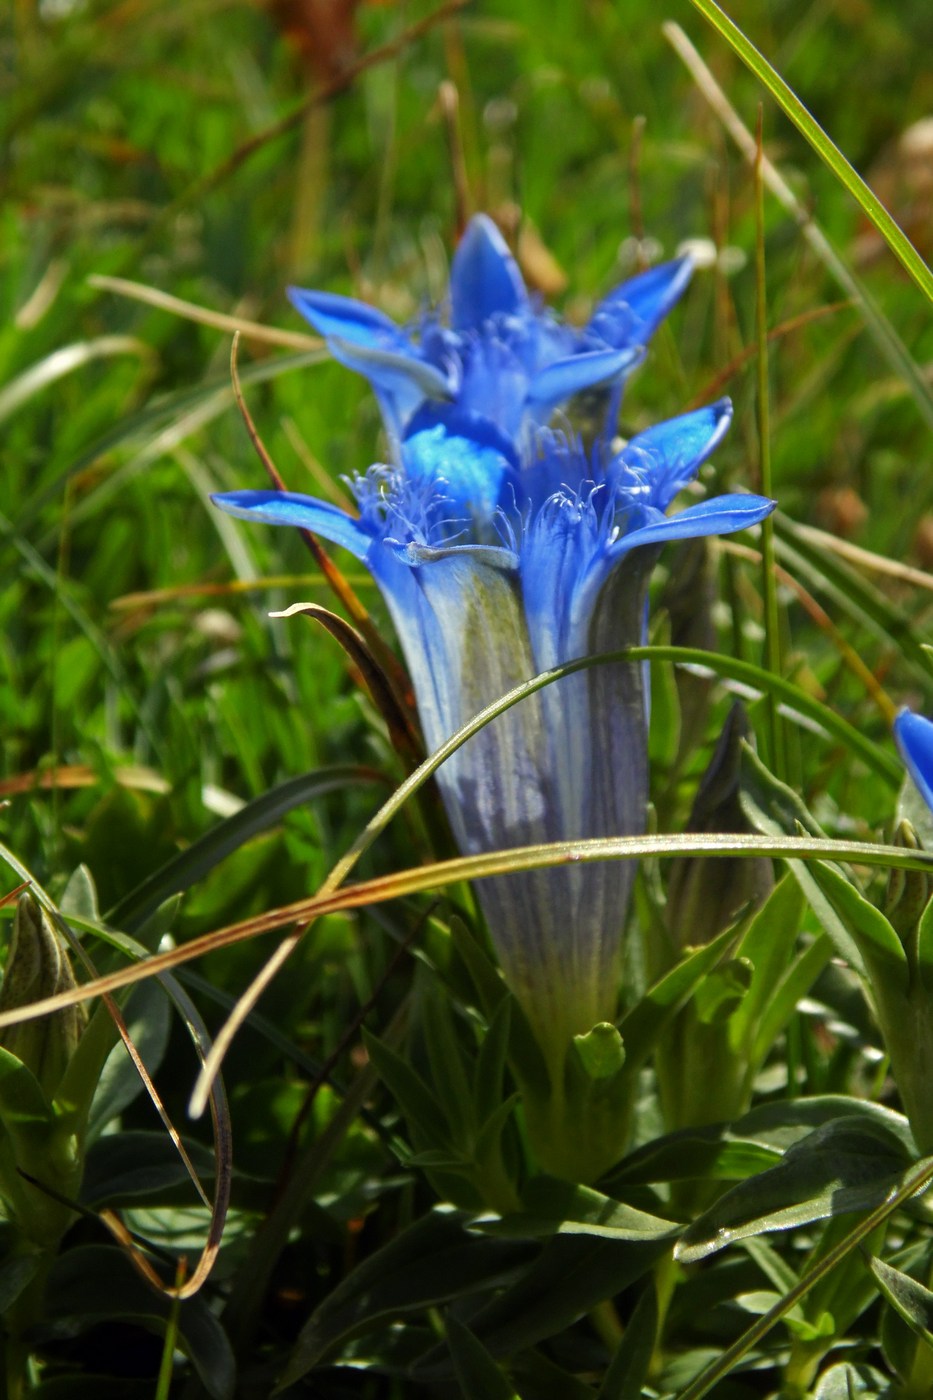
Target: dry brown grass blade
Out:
[715,386]
[223,1147]
[421,879]
[81,775]
[13,894]
[824,622]
[164,301]
[223,1158]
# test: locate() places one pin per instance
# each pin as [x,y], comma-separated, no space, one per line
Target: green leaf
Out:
[768,944]
[449,1080]
[148,1016]
[645,1022]
[567,1279]
[628,1372]
[19,1263]
[841,1167]
[721,991]
[553,1207]
[23,1105]
[787,1121]
[907,1297]
[430,1262]
[774,808]
[128,1167]
[846,1381]
[788,991]
[192,864]
[487,979]
[477,1373]
[925,947]
[421,1109]
[80,895]
[489,1071]
[94,1284]
[600,1052]
[879,945]
[694,1154]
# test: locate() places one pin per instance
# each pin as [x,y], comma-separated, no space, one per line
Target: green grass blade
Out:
[828,152]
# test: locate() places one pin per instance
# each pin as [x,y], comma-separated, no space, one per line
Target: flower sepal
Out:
[580,1127]
[40,1135]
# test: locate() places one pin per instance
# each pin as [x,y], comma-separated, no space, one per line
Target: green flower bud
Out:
[37,966]
[909,891]
[705,896]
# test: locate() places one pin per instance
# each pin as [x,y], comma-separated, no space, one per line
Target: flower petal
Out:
[566,377]
[394,370]
[650,295]
[914,737]
[484,277]
[678,447]
[720,515]
[353,321]
[293,508]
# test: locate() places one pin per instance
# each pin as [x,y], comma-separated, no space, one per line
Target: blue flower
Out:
[501,357]
[493,573]
[914,737]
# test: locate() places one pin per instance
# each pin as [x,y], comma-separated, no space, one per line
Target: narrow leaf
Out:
[628,1372]
[910,1299]
[841,1167]
[477,1373]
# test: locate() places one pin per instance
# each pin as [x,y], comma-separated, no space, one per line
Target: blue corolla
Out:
[493,572]
[500,356]
[914,737]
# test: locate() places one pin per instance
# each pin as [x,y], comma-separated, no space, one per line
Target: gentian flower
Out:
[491,574]
[914,738]
[502,357]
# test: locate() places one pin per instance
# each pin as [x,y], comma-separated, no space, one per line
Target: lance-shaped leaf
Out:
[845,1166]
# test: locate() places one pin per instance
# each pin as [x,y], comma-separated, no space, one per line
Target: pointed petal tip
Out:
[303,512]
[719,515]
[333,315]
[561,379]
[485,279]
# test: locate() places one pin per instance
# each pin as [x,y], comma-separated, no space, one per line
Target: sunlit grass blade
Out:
[884,334]
[65,361]
[825,148]
[428,878]
[157,427]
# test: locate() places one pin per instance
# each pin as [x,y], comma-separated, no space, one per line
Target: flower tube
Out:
[492,574]
[501,356]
